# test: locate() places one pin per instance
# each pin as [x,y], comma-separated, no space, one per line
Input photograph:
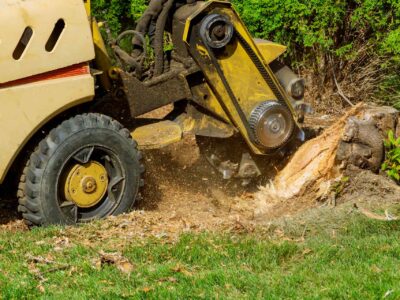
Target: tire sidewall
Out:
[121,146]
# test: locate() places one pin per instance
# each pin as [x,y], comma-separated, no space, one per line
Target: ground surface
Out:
[195,235]
[184,193]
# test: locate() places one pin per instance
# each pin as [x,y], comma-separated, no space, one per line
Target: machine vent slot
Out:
[55,35]
[23,43]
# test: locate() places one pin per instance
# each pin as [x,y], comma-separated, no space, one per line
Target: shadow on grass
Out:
[8,208]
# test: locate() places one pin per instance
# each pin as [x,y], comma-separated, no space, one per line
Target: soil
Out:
[184,193]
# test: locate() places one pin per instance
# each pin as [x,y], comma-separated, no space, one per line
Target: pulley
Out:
[216,30]
[272,124]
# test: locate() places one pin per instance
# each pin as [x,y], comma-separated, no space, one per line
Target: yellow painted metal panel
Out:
[244,78]
[75,44]
[269,50]
[26,108]
[103,61]
[157,135]
[209,100]
[88,7]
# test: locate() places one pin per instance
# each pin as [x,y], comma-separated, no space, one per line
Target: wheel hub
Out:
[86,184]
[89,185]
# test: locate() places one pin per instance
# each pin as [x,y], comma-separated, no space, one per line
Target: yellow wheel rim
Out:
[86,184]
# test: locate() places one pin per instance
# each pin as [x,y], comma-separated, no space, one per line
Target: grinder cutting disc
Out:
[272,124]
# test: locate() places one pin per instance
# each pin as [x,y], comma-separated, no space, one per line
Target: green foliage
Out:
[137,8]
[392,161]
[119,15]
[329,25]
[321,35]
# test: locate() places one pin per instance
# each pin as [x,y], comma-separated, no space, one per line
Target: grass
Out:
[360,261]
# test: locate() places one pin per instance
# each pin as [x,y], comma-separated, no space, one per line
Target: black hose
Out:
[159,38]
[135,34]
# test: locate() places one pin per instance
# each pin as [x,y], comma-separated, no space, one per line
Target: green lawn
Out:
[360,261]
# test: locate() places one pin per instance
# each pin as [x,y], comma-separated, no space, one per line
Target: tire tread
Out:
[29,186]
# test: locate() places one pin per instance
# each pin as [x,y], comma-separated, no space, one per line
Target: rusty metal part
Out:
[144,97]
[86,184]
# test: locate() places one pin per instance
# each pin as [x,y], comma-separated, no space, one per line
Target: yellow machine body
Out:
[230,83]
[69,101]
[36,82]
[242,76]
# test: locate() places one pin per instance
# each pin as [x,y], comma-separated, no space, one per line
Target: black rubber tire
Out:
[38,191]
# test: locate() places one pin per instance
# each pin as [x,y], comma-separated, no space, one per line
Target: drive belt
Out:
[261,68]
[231,94]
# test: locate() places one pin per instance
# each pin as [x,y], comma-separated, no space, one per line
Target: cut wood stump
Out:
[355,139]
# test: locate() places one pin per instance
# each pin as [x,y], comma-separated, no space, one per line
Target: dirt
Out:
[374,191]
[184,193]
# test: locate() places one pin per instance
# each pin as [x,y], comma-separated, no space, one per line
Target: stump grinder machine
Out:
[65,94]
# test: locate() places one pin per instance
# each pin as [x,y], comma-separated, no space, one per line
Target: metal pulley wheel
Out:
[272,124]
[216,30]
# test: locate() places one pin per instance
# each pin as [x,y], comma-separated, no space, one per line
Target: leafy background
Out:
[352,46]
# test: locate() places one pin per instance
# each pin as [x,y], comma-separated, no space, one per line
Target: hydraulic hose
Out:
[159,37]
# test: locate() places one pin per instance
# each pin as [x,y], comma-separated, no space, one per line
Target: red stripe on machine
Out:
[71,71]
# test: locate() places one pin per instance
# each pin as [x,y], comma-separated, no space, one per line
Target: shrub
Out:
[119,15]
[356,42]
[392,162]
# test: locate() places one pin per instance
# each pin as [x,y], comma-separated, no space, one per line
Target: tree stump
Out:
[355,139]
